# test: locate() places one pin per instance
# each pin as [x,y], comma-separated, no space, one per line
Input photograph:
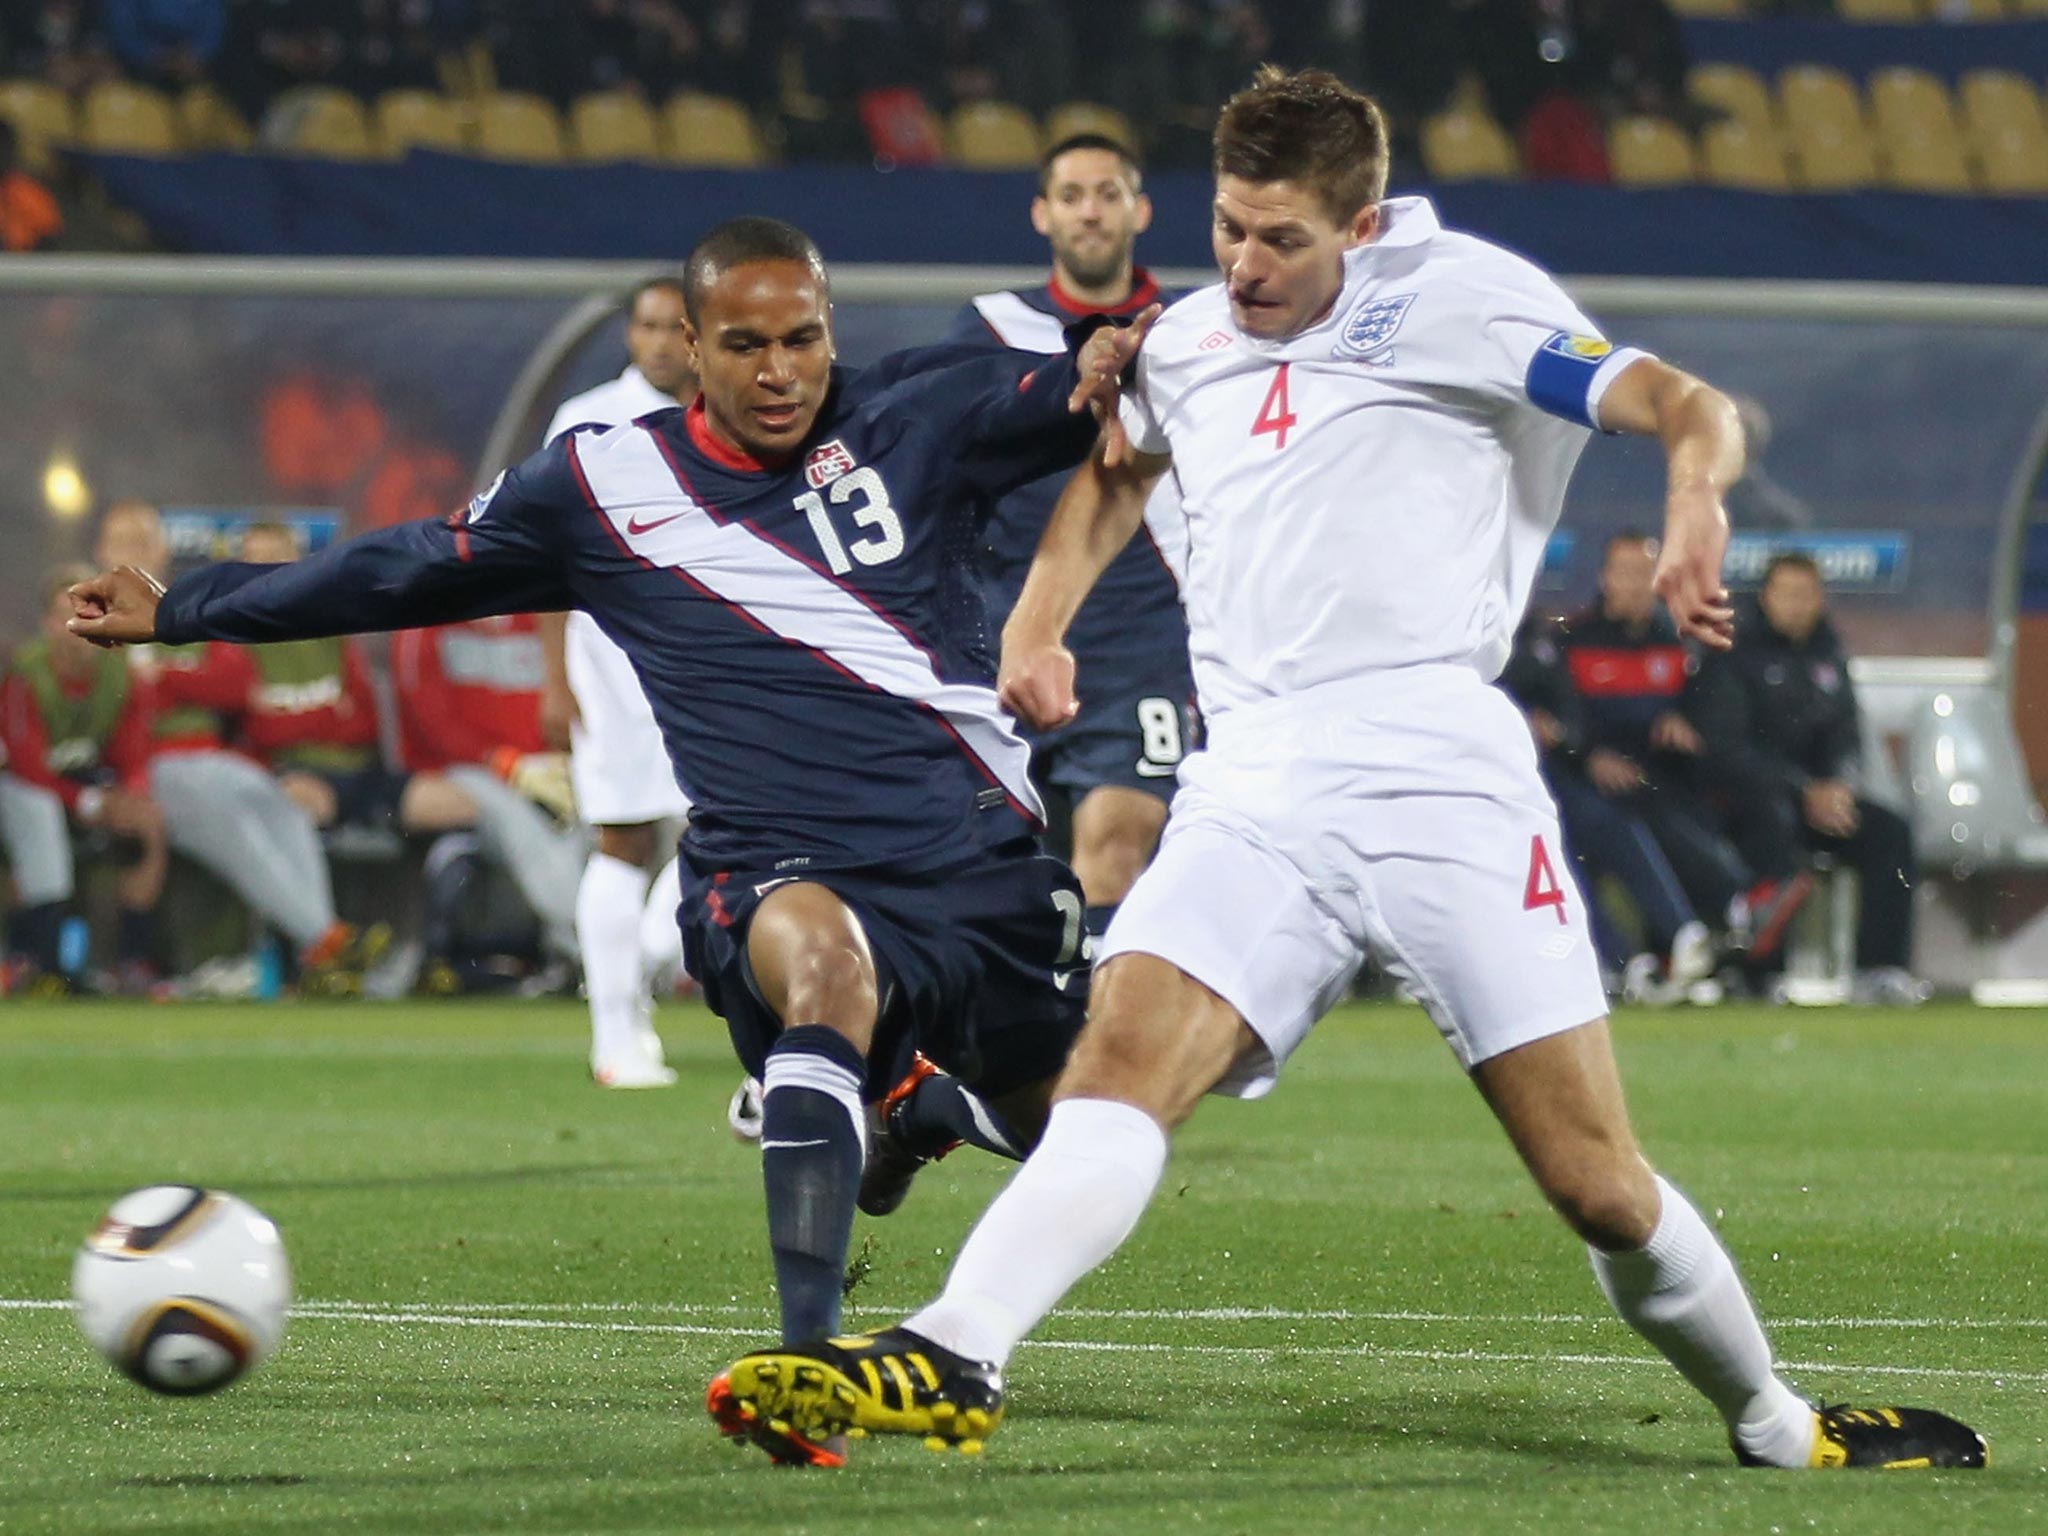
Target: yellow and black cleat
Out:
[891,1383]
[744,1424]
[1893,1438]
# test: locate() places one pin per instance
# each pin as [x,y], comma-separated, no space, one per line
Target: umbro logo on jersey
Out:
[827,463]
[1214,341]
[1372,324]
[635,527]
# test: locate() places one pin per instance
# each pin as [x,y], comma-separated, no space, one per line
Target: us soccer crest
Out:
[826,463]
[1371,326]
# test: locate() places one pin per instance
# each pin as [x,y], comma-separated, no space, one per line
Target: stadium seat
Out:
[422,118]
[711,130]
[1823,115]
[42,117]
[2006,128]
[319,120]
[1649,152]
[208,120]
[1739,92]
[1880,10]
[1074,117]
[1916,126]
[1710,7]
[514,125]
[1733,154]
[992,136]
[1464,146]
[613,125]
[123,119]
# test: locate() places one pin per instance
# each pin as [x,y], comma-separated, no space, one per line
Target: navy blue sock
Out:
[1096,920]
[33,931]
[812,1146]
[136,939]
[943,1110]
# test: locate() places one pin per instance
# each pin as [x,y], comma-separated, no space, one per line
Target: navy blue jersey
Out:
[1131,622]
[810,636]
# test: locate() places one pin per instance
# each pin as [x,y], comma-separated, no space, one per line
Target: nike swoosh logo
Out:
[1151,770]
[1060,980]
[635,527]
[769,1146]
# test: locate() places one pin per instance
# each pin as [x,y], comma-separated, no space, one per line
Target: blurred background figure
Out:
[75,728]
[1784,748]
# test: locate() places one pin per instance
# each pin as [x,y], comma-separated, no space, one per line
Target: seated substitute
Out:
[1783,747]
[788,564]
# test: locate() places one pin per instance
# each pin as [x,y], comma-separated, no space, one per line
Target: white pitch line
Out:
[413,1315]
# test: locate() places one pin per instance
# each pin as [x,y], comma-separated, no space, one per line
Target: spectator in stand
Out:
[394,45]
[29,216]
[75,728]
[469,708]
[1784,747]
[169,44]
[57,41]
[1603,835]
[311,718]
[1635,58]
[1643,751]
[221,809]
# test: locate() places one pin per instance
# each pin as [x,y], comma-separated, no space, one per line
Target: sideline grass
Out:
[1346,1311]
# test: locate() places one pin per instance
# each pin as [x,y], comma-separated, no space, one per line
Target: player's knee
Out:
[1609,1200]
[828,977]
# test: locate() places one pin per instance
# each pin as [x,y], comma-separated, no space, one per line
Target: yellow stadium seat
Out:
[1733,154]
[208,120]
[1880,10]
[1824,127]
[125,119]
[319,120]
[1649,152]
[1078,117]
[426,119]
[613,125]
[2008,131]
[514,125]
[1916,128]
[992,136]
[1739,92]
[711,130]
[1464,146]
[1710,7]
[42,118]
[2030,7]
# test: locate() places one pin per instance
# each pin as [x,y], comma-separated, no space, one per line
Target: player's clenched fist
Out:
[1036,684]
[116,607]
[1101,362]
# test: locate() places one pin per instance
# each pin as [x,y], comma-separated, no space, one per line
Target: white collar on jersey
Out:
[1403,221]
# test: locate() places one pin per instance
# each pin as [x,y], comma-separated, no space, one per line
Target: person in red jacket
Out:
[469,707]
[310,716]
[75,726]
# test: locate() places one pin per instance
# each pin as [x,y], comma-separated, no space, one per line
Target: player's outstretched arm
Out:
[1703,451]
[1099,511]
[1101,364]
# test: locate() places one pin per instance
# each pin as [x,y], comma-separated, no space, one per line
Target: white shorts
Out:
[1404,821]
[617,763]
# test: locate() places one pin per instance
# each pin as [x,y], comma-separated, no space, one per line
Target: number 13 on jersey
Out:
[1276,415]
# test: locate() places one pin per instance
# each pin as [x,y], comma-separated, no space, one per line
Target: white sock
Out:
[1069,1208]
[608,934]
[661,939]
[1681,1291]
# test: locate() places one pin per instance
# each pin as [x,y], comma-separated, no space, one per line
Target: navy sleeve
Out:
[1018,428]
[969,329]
[891,370]
[500,554]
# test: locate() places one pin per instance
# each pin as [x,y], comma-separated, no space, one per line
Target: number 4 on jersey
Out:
[1543,889]
[1275,416]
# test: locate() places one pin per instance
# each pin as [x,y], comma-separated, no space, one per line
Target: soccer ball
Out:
[183,1289]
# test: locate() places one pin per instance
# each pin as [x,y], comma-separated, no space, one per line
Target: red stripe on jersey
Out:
[1628,672]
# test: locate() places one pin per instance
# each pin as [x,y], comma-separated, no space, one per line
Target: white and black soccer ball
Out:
[183,1289]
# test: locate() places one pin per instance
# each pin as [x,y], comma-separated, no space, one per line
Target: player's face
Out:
[1625,589]
[1092,213]
[133,540]
[764,355]
[262,547]
[1793,600]
[656,343]
[1281,254]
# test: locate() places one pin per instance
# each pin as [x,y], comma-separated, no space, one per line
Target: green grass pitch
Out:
[1346,1311]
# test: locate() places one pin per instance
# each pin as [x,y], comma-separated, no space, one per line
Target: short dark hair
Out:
[672,282]
[1791,560]
[739,241]
[1102,141]
[1307,127]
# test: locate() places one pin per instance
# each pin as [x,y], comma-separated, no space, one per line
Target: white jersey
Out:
[1375,492]
[624,399]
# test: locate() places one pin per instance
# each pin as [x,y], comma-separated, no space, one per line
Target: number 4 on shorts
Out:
[1543,889]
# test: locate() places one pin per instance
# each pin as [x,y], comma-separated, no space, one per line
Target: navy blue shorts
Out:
[1131,732]
[979,968]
